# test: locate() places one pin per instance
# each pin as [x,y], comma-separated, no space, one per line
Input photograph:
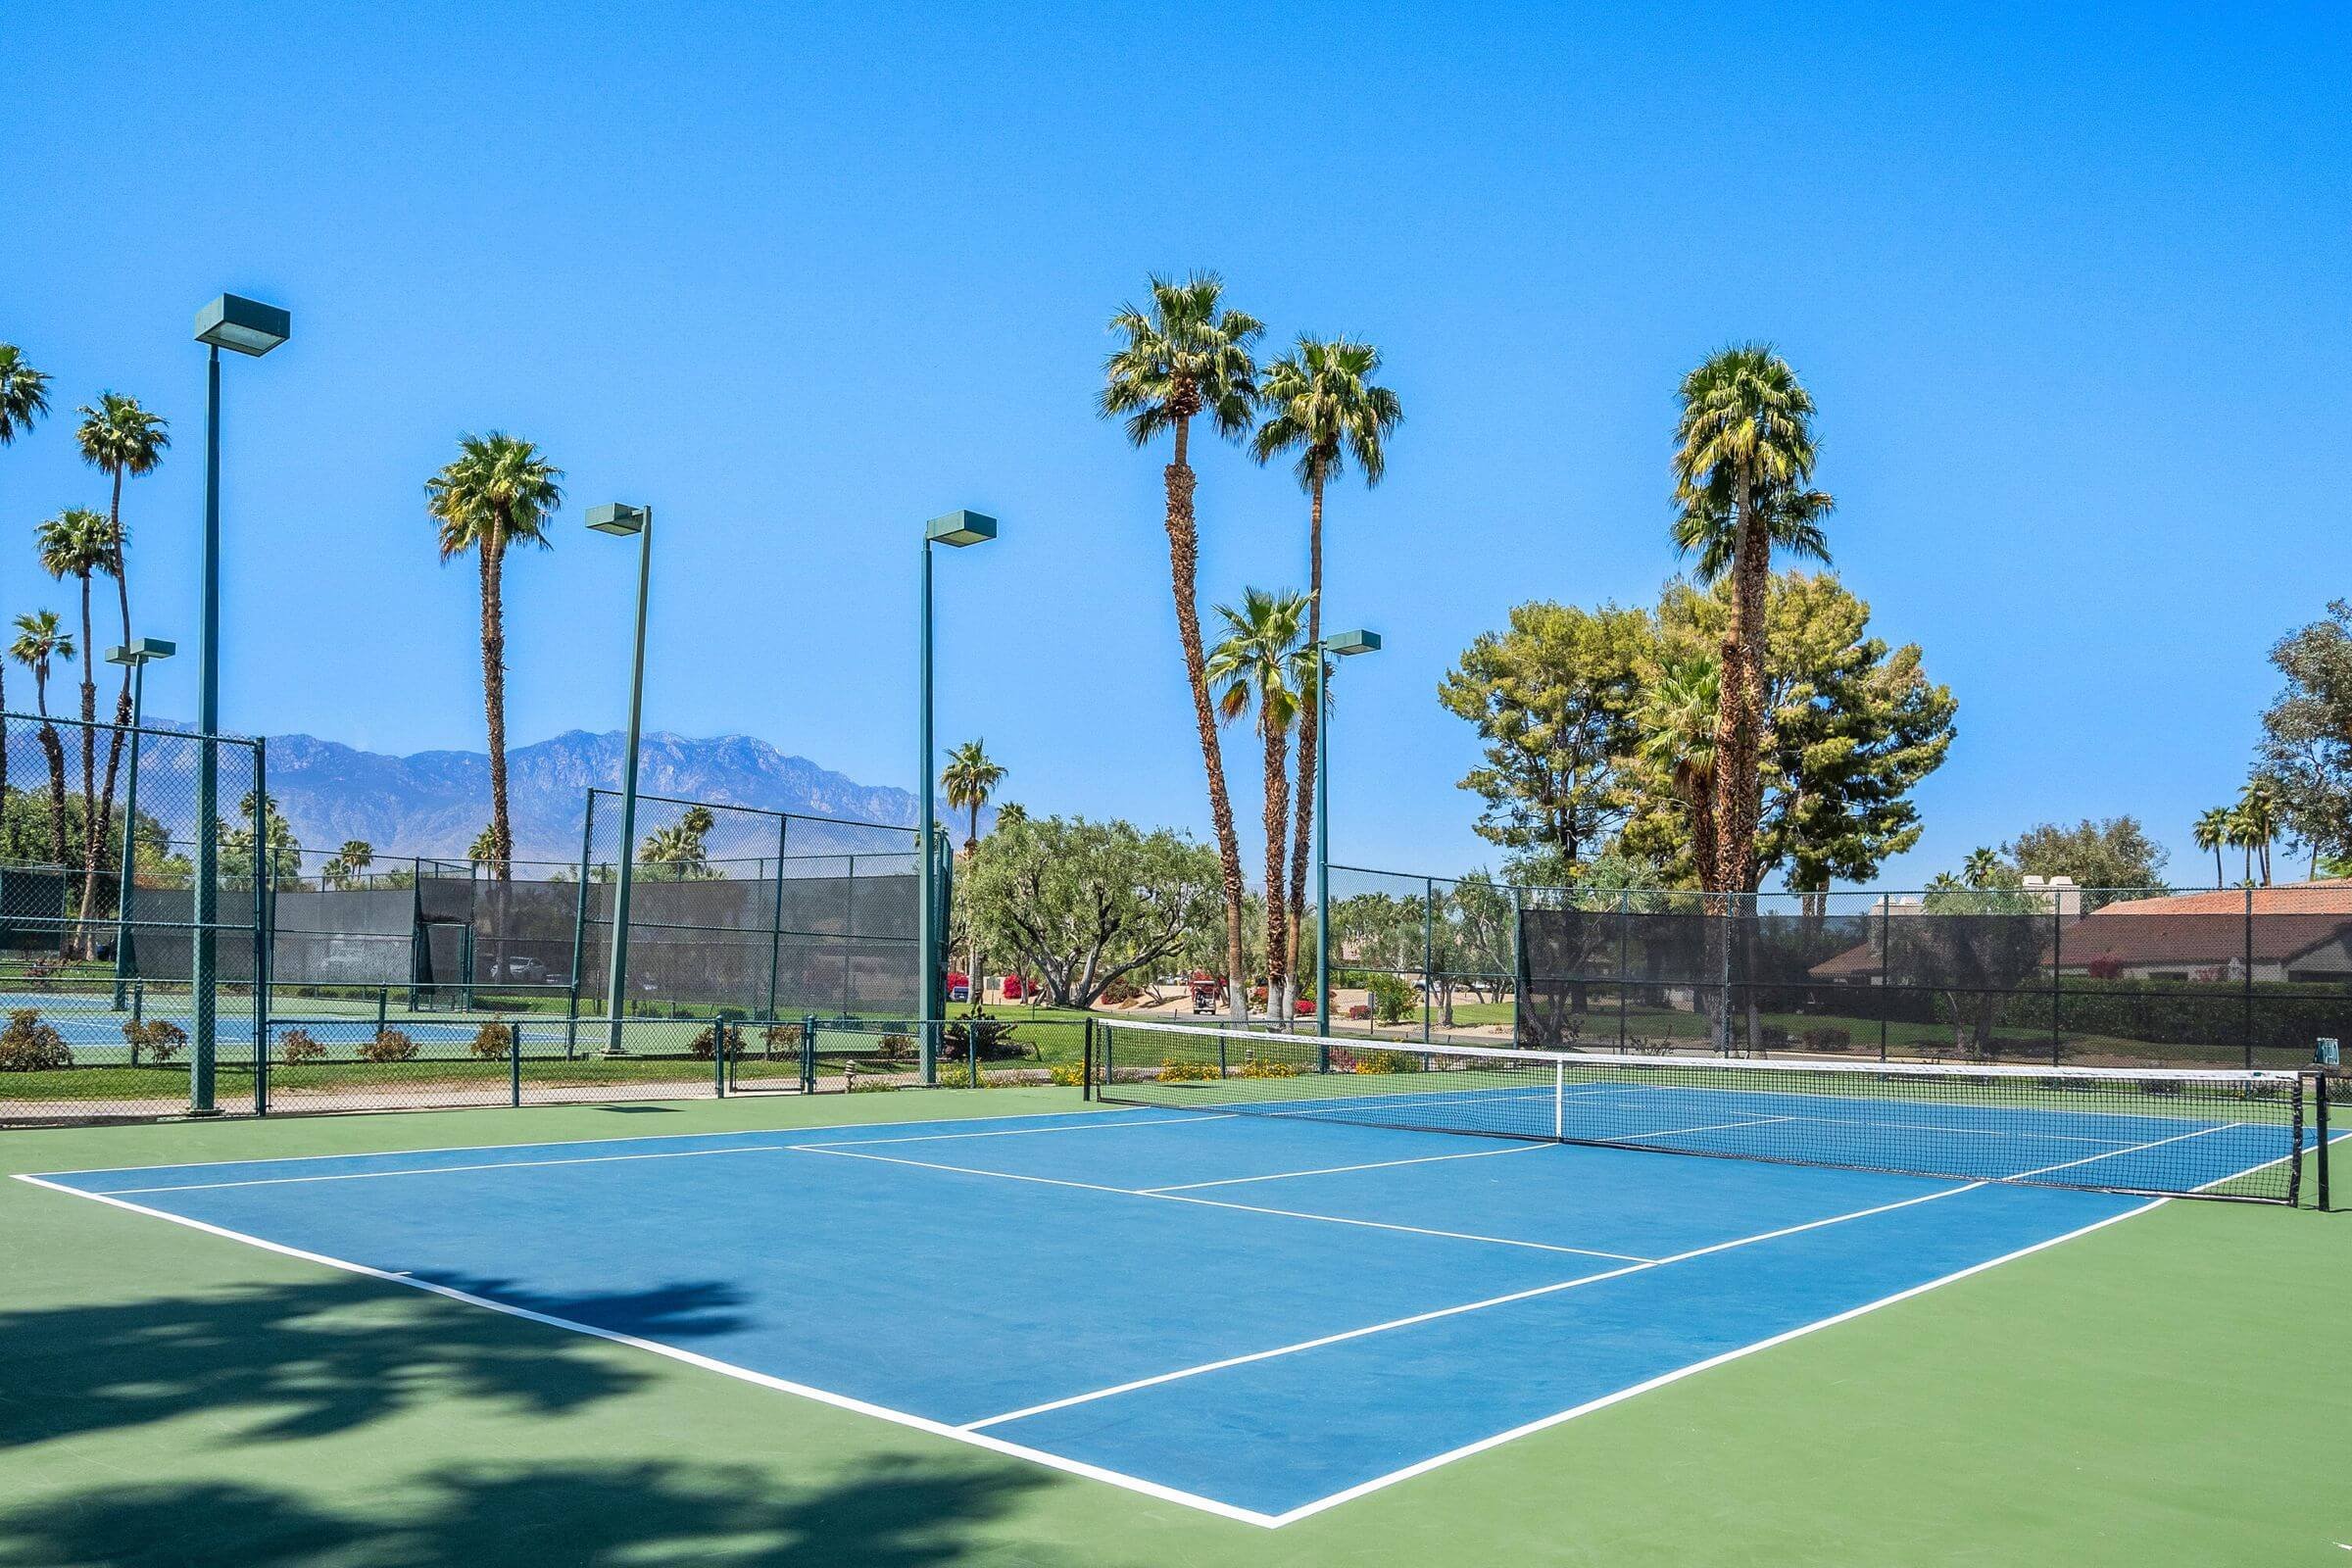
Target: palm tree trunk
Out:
[55,750]
[115,741]
[93,831]
[1184,565]
[1278,805]
[3,747]
[2217,873]
[494,697]
[1310,725]
[1740,708]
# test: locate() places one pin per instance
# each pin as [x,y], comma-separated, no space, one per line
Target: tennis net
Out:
[2209,1134]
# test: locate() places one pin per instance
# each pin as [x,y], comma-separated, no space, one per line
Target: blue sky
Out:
[2067,287]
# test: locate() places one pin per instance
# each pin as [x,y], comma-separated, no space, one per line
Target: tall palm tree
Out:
[357,856]
[970,777]
[119,438]
[1324,406]
[2258,810]
[1980,868]
[24,399]
[2212,831]
[41,639]
[76,543]
[1186,356]
[1255,664]
[2243,836]
[500,492]
[1742,470]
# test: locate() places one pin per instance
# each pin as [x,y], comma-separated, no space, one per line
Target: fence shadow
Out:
[902,1513]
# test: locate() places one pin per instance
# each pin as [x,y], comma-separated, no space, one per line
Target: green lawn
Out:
[2162,1391]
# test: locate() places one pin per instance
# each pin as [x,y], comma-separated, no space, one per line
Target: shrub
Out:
[897,1047]
[1120,991]
[296,1046]
[986,1038]
[28,1044]
[706,1044]
[159,1040]
[1174,1071]
[1387,1062]
[1393,997]
[1068,1074]
[870,1086]
[1340,1059]
[389,1045]
[1826,1037]
[494,1041]
[783,1040]
[1772,1037]
[1266,1069]
[958,1076]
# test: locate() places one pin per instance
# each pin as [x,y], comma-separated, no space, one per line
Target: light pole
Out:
[136,655]
[249,327]
[622,520]
[957,528]
[1339,645]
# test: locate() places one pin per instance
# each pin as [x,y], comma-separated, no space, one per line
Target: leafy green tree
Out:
[1083,905]
[970,777]
[499,492]
[2214,829]
[2306,748]
[1323,406]
[1183,356]
[1260,663]
[41,640]
[1743,468]
[1553,697]
[2113,855]
[120,439]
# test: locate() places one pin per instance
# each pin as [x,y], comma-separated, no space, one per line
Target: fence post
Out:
[579,934]
[809,1054]
[1429,932]
[515,1063]
[1086,1069]
[775,925]
[2057,968]
[1886,967]
[1625,910]
[719,1056]
[2247,990]
[264,884]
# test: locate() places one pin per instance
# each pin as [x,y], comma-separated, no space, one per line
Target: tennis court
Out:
[1262,1309]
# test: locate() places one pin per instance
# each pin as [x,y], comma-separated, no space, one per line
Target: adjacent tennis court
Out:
[1261,1308]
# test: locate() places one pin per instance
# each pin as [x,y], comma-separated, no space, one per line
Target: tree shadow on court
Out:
[902,1513]
[303,1359]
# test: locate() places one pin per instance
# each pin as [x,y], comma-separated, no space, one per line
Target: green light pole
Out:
[622,520]
[249,327]
[137,655]
[1339,645]
[959,529]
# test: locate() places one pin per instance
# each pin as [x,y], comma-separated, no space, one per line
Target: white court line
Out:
[1709,1127]
[1424,1466]
[1213,1202]
[1109,1116]
[440,1170]
[2117,1153]
[1189,1117]
[1457,1311]
[842,1402]
[1341,1170]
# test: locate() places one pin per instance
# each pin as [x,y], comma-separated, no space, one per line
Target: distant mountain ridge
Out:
[435,803]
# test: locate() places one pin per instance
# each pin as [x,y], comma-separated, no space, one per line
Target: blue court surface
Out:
[1261,1317]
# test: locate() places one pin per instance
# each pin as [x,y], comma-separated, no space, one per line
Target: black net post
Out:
[809,1054]
[1086,1070]
[515,1065]
[2319,1118]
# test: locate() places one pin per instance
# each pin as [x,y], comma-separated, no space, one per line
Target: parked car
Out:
[518,971]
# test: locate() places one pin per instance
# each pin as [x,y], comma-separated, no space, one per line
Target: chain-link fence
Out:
[129,973]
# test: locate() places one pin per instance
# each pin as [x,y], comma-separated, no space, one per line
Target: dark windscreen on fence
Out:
[2250,977]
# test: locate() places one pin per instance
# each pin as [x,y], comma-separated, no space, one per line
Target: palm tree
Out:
[1257,663]
[351,861]
[1675,720]
[1324,408]
[1011,814]
[119,438]
[970,780]
[499,492]
[2258,810]
[2211,832]
[484,847]
[23,398]
[1741,468]
[1980,868]
[1184,357]
[2243,836]
[76,543]
[41,638]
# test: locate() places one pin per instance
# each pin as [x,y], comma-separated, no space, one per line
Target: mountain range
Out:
[435,803]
